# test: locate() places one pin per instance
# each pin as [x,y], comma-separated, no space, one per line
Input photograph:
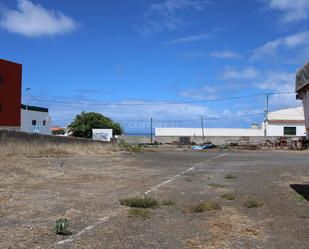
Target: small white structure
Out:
[102,134]
[35,120]
[286,122]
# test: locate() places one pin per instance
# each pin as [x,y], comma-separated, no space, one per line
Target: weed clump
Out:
[129,147]
[139,202]
[205,206]
[230,177]
[62,227]
[228,196]
[216,185]
[168,202]
[139,213]
[252,203]
[300,197]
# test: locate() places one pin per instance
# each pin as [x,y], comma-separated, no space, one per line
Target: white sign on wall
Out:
[102,134]
[36,129]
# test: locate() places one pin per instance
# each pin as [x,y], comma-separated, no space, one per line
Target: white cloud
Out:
[289,42]
[169,15]
[188,39]
[279,81]
[210,92]
[225,54]
[34,20]
[206,92]
[233,74]
[291,11]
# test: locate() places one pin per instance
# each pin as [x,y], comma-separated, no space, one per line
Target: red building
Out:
[10,94]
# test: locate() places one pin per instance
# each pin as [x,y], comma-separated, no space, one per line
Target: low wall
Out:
[13,136]
[217,140]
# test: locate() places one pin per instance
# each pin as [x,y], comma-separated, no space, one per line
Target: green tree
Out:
[86,121]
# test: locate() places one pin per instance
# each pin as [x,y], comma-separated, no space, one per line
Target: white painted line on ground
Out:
[231,170]
[180,174]
[106,218]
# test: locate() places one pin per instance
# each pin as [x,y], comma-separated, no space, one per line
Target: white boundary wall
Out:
[191,132]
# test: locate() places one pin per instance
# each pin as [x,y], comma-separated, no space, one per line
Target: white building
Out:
[35,120]
[286,122]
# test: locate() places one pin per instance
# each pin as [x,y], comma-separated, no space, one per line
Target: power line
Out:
[156,103]
[183,120]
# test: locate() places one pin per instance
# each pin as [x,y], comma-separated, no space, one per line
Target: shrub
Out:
[168,202]
[252,203]
[216,185]
[61,227]
[139,213]
[205,206]
[229,176]
[129,147]
[139,202]
[228,196]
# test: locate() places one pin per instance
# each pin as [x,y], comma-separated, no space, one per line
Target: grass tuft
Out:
[168,202]
[205,206]
[139,202]
[216,185]
[300,197]
[229,176]
[62,227]
[129,147]
[139,213]
[228,196]
[252,203]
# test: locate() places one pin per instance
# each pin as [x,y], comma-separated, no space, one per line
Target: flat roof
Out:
[34,108]
[2,60]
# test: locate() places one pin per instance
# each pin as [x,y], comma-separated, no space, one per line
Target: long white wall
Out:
[272,130]
[28,116]
[208,132]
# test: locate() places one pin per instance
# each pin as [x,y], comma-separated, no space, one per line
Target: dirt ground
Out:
[36,190]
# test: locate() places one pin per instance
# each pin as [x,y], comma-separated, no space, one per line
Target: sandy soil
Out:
[36,190]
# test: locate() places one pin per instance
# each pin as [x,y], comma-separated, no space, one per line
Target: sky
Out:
[171,60]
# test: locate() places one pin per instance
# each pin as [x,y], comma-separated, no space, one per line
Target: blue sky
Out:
[124,58]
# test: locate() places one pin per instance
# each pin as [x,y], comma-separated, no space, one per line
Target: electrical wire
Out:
[88,103]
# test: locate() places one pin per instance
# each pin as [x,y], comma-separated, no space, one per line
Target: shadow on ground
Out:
[302,189]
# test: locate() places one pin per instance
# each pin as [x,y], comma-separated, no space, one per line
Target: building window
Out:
[1,80]
[33,122]
[44,122]
[289,131]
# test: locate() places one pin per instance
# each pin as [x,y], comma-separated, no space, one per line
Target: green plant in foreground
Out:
[62,226]
[139,202]
[300,197]
[228,196]
[139,213]
[129,147]
[216,185]
[205,206]
[229,176]
[252,203]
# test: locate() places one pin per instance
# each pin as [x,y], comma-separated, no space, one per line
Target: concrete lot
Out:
[35,191]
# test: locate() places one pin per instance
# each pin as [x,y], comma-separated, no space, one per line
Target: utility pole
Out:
[202,123]
[151,130]
[83,124]
[26,114]
[266,114]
